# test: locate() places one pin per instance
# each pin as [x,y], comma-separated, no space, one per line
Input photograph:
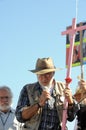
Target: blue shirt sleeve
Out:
[22,102]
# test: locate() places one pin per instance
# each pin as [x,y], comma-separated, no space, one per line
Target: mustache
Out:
[4,107]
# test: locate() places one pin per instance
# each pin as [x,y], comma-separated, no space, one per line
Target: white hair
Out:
[4,87]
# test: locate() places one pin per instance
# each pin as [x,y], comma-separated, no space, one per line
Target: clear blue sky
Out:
[30,29]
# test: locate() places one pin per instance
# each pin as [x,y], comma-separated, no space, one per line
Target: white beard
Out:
[50,83]
[5,107]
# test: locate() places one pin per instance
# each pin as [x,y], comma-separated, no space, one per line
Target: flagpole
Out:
[81,53]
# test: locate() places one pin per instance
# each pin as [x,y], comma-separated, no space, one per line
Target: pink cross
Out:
[72,31]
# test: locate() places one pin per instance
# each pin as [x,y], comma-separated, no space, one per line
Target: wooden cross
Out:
[72,31]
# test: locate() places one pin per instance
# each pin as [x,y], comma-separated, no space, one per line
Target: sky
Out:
[31,29]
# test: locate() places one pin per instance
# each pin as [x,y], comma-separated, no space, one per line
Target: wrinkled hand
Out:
[44,97]
[68,95]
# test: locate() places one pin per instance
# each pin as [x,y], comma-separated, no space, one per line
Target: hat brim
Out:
[44,71]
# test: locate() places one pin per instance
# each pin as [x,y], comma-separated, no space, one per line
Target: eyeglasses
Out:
[6,97]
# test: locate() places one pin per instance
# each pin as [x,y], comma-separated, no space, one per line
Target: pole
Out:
[81,53]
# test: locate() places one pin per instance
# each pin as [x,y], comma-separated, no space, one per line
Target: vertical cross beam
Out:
[72,31]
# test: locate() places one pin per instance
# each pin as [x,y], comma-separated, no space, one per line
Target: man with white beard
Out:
[40,104]
[7,113]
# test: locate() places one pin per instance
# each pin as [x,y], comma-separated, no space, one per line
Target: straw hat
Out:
[79,94]
[44,65]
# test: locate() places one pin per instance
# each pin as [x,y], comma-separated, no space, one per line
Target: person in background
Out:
[40,104]
[7,113]
[76,58]
[80,97]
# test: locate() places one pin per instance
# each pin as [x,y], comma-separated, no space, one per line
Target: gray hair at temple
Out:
[4,87]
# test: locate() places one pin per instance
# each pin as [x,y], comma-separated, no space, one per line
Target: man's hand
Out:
[44,97]
[68,95]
